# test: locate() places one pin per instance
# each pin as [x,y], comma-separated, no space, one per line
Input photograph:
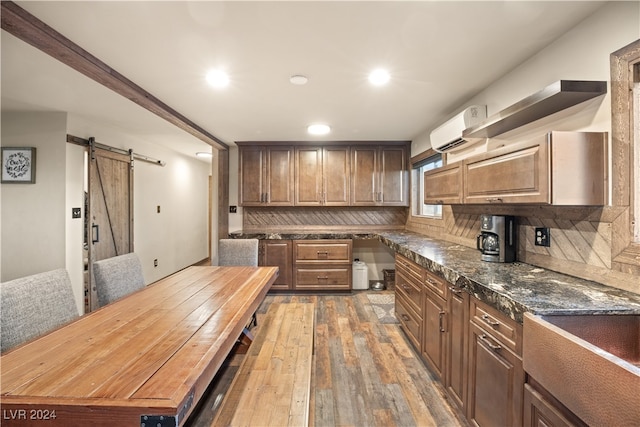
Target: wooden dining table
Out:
[144,360]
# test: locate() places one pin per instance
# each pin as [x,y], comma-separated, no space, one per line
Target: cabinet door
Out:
[410,321]
[509,176]
[364,167]
[308,176]
[457,335]
[540,412]
[393,177]
[336,176]
[443,185]
[433,341]
[496,381]
[252,187]
[280,176]
[278,253]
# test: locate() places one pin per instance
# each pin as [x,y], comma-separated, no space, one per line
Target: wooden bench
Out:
[273,384]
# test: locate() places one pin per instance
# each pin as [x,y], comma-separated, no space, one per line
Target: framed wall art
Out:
[18,165]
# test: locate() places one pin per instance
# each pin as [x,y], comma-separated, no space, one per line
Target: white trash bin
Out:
[360,275]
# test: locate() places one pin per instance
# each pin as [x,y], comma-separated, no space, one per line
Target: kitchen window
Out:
[418,169]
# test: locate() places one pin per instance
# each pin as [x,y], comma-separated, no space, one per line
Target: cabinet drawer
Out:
[323,278]
[436,284]
[410,268]
[409,290]
[506,330]
[322,251]
[410,320]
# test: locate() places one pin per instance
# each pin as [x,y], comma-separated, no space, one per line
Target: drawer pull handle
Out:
[455,290]
[494,200]
[489,321]
[322,252]
[488,343]
[322,277]
[405,317]
[432,282]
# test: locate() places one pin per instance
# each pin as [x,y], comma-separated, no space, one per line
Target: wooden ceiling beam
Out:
[28,28]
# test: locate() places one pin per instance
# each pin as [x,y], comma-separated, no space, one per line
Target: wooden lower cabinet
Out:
[433,331]
[409,298]
[278,253]
[495,372]
[322,265]
[542,410]
[474,349]
[410,320]
[308,264]
[455,378]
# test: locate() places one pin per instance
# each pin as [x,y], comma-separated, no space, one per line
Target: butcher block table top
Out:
[144,360]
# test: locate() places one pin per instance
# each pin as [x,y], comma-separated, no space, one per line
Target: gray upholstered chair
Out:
[117,277]
[238,252]
[35,305]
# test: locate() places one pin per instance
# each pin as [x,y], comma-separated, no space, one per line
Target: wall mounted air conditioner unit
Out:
[448,136]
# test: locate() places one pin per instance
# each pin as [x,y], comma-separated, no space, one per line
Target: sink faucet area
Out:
[590,363]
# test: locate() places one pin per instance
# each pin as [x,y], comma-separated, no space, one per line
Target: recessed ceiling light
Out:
[204,154]
[379,77]
[318,129]
[217,78]
[298,79]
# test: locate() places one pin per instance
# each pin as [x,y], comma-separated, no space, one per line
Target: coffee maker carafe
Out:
[497,238]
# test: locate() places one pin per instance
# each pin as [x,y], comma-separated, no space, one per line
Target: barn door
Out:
[110,225]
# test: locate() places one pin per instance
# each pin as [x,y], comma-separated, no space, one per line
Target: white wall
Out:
[74,227]
[177,236]
[581,54]
[33,237]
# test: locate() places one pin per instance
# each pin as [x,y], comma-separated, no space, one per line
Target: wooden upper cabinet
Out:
[252,187]
[279,176]
[322,176]
[379,176]
[443,185]
[561,168]
[364,164]
[266,176]
[336,175]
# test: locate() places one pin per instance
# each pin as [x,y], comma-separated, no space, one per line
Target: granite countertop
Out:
[512,288]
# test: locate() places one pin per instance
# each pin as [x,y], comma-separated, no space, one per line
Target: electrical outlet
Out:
[233,209]
[158,209]
[76,213]
[155,262]
[543,237]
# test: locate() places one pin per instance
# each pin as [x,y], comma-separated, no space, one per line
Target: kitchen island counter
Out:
[512,288]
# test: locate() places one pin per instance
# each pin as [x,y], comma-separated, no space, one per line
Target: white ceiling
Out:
[439,53]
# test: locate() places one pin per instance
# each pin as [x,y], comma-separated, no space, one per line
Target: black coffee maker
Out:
[497,238]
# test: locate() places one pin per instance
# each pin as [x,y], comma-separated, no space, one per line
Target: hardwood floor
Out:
[366,372]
